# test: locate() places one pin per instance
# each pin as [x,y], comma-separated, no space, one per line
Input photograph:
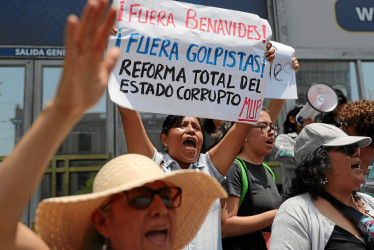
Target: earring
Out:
[324,181]
[105,245]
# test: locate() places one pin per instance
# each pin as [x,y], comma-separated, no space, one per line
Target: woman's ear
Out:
[291,119]
[101,222]
[164,140]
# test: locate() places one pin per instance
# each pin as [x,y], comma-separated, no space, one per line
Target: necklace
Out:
[355,200]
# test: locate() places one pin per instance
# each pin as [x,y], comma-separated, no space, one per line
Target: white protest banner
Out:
[282,84]
[192,60]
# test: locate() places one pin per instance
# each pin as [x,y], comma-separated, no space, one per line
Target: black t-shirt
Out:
[264,190]
[262,195]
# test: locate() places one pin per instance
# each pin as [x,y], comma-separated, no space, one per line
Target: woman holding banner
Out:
[182,137]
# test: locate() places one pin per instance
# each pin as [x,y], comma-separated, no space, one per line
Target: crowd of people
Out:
[197,194]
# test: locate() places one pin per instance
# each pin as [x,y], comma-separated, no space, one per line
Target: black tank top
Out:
[343,240]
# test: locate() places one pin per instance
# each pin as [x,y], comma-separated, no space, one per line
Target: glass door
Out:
[14,102]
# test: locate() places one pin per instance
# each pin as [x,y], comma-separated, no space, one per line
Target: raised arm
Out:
[84,80]
[233,225]
[137,139]
[224,153]
[275,108]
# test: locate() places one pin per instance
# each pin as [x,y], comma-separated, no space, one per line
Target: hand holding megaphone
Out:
[321,98]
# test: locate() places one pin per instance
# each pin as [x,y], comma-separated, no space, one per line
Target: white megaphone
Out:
[321,98]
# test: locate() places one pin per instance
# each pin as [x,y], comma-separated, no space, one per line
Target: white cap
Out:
[315,135]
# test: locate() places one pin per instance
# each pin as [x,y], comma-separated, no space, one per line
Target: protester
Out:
[329,167]
[332,117]
[358,119]
[283,150]
[246,216]
[182,137]
[290,125]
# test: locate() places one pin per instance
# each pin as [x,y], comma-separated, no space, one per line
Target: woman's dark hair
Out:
[310,174]
[171,121]
[209,125]
[290,127]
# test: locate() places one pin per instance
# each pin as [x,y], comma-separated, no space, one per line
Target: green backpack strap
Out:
[244,179]
[271,171]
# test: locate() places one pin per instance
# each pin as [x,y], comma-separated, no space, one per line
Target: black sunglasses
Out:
[348,149]
[142,197]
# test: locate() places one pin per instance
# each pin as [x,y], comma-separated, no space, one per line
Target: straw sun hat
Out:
[64,222]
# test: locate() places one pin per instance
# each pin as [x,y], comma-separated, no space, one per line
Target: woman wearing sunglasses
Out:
[323,209]
[134,205]
[248,212]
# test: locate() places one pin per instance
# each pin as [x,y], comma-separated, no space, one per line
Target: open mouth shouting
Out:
[190,143]
[356,166]
[158,236]
[270,142]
